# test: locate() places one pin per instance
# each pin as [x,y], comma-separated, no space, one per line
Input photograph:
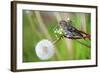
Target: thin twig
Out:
[83,44]
[78,41]
[86,36]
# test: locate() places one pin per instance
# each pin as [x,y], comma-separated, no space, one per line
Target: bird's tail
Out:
[88,36]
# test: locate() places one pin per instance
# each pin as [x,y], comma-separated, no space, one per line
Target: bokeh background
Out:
[39,25]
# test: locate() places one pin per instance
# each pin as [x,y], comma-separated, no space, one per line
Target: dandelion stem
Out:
[54,42]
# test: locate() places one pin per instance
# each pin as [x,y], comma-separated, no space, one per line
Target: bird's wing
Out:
[74,31]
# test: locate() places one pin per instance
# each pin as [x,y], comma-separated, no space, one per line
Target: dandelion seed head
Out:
[44,49]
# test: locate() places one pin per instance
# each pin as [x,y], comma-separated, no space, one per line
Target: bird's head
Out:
[63,23]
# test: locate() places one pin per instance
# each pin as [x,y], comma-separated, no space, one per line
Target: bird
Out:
[69,30]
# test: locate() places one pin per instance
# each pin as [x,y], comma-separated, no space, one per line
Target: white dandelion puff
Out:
[45,50]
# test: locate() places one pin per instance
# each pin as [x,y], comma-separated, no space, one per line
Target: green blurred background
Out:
[39,25]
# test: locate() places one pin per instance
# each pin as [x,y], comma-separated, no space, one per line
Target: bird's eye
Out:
[60,22]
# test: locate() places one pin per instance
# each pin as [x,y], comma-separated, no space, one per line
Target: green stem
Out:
[54,42]
[84,44]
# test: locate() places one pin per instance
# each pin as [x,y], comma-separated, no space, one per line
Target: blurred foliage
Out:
[33,33]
